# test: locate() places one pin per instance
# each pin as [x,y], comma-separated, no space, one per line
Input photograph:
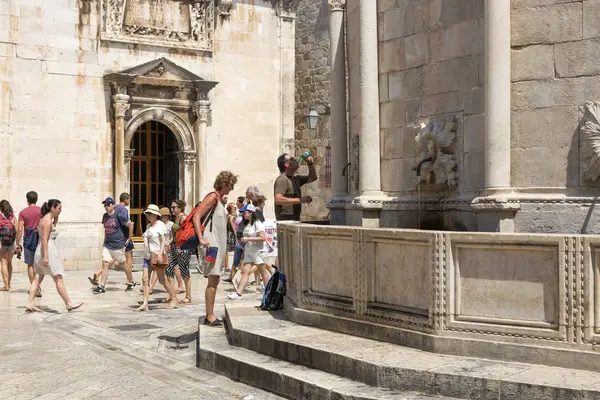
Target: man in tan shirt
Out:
[288,192]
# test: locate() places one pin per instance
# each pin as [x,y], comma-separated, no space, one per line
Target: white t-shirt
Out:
[168,234]
[252,231]
[152,237]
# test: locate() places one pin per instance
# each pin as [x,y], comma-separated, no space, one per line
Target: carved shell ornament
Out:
[590,140]
[435,141]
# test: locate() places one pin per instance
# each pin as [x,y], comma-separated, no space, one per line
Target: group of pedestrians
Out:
[237,228]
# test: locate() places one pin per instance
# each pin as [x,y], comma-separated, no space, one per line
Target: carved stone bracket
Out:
[286,8]
[187,156]
[589,141]
[224,8]
[436,143]
[202,110]
[171,23]
[128,154]
[337,5]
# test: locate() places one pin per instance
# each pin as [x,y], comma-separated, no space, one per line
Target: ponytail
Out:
[48,206]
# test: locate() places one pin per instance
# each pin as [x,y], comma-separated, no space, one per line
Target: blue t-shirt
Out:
[122,209]
[114,239]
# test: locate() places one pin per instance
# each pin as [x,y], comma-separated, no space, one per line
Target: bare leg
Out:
[30,273]
[180,286]
[4,267]
[145,282]
[153,280]
[160,272]
[209,296]
[35,284]
[188,289]
[105,269]
[262,270]
[62,291]
[9,266]
[244,279]
[127,267]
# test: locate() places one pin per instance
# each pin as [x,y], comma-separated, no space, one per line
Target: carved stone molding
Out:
[224,8]
[187,156]
[159,114]
[171,23]
[202,110]
[337,5]
[436,142]
[589,142]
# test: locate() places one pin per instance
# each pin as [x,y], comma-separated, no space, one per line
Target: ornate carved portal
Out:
[173,96]
[172,23]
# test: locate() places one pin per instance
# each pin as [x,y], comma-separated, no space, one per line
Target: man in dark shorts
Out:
[124,200]
[29,218]
[288,192]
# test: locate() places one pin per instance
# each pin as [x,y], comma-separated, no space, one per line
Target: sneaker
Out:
[39,292]
[99,289]
[234,296]
[227,280]
[130,285]
[235,284]
[94,280]
[198,269]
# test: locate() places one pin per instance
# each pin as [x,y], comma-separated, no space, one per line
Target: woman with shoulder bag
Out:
[156,252]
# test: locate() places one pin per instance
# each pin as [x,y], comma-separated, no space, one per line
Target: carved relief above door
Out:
[170,23]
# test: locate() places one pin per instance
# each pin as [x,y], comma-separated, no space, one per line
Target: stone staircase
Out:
[268,351]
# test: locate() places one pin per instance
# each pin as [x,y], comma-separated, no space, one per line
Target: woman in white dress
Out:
[215,235]
[47,260]
[156,251]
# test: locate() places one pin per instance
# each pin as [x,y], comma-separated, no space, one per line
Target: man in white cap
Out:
[113,251]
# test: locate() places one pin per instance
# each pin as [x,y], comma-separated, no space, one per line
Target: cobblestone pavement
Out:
[106,349]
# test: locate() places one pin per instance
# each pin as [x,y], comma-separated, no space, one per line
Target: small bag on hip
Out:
[159,260]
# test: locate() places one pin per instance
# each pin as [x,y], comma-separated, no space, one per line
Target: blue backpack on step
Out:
[274,291]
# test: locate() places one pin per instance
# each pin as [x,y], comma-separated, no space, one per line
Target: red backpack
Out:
[186,238]
[8,233]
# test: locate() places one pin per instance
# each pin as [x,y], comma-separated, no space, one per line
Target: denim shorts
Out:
[146,263]
[129,246]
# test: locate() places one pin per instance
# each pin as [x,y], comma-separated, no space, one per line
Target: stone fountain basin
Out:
[519,297]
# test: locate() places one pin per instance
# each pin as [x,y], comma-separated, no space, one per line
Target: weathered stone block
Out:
[452,75]
[533,168]
[383,88]
[554,93]
[474,133]
[397,23]
[577,58]
[391,175]
[548,24]
[413,110]
[516,4]
[391,55]
[553,128]
[532,62]
[459,40]
[456,11]
[591,16]
[406,84]
[415,50]
[472,171]
[469,101]
[392,114]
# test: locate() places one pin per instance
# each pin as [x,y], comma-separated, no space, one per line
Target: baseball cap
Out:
[109,200]
[249,207]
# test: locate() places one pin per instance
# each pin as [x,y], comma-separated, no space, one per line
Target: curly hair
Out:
[259,201]
[225,178]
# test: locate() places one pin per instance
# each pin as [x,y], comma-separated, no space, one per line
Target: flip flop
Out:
[75,307]
[215,324]
[179,291]
[4,289]
[185,300]
[33,310]
[140,309]
[172,305]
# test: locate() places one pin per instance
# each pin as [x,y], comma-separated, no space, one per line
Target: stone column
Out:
[202,111]
[496,210]
[497,94]
[120,105]
[287,74]
[187,179]
[368,147]
[339,142]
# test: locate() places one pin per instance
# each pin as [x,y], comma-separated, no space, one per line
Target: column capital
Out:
[202,110]
[128,154]
[187,156]
[337,5]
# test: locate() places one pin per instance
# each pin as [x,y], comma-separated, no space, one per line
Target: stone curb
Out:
[451,376]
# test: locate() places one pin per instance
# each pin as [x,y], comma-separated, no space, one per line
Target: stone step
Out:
[283,378]
[395,367]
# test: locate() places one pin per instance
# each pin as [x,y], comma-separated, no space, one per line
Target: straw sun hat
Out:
[152,209]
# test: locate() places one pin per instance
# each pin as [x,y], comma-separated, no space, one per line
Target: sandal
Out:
[185,300]
[75,307]
[33,309]
[216,323]
[142,308]
[4,289]
[172,304]
[179,291]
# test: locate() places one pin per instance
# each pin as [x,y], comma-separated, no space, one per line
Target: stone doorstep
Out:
[283,378]
[395,367]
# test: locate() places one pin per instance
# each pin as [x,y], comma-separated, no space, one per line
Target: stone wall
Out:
[313,91]
[56,133]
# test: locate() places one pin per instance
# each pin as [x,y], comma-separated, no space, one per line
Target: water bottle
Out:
[304,156]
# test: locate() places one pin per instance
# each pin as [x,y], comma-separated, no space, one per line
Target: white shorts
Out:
[109,255]
[256,258]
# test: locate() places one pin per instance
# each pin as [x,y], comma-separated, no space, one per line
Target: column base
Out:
[353,210]
[496,212]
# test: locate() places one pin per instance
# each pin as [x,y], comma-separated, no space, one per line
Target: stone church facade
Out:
[154,98]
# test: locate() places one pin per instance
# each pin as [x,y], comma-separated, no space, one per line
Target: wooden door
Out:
[152,162]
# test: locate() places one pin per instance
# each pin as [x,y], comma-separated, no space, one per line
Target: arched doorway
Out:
[154,170]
